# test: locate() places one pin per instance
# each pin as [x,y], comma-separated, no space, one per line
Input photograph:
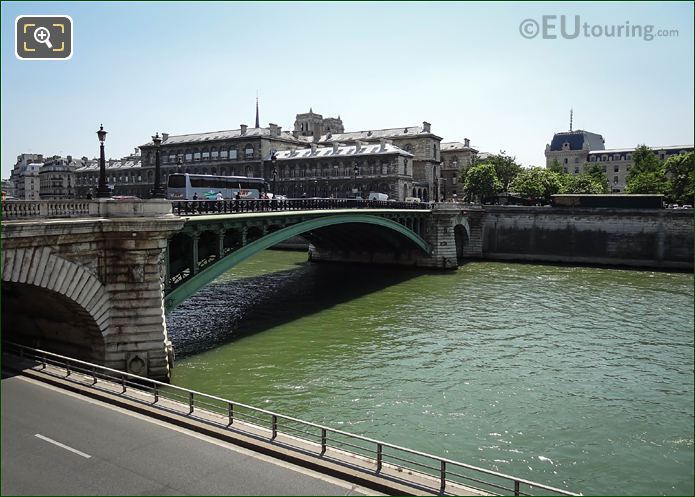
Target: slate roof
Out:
[670,148]
[371,134]
[342,151]
[577,139]
[221,135]
[449,146]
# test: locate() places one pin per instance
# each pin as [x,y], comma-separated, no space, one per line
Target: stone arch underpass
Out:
[52,303]
[340,233]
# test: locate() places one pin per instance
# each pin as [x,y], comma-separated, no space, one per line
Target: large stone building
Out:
[57,178]
[416,140]
[25,176]
[343,171]
[248,151]
[576,150]
[125,176]
[456,157]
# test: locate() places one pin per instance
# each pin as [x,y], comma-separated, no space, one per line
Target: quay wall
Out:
[661,238]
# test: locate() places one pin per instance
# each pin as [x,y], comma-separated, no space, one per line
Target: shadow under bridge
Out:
[208,246]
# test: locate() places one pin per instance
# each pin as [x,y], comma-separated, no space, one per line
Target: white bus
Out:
[184,186]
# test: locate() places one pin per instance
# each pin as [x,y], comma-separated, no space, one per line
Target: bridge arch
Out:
[273,237]
[51,302]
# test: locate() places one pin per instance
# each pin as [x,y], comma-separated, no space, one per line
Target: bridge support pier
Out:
[92,288]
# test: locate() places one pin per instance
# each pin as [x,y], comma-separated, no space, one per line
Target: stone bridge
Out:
[93,279]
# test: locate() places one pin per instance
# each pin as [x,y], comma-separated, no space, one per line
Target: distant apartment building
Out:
[25,176]
[456,157]
[577,150]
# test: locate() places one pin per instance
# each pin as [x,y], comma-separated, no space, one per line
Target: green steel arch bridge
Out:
[217,236]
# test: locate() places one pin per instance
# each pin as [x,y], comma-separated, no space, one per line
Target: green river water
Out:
[581,378]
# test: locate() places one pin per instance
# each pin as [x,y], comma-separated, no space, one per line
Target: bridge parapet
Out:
[56,209]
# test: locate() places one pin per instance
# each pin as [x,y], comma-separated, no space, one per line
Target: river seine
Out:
[581,378]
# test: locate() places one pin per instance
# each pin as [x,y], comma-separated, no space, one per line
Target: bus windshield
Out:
[185,186]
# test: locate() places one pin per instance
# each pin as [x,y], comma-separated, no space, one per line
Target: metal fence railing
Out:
[193,207]
[434,473]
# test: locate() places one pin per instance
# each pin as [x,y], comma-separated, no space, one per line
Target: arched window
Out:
[408,148]
[188,156]
[196,154]
[206,154]
[214,154]
[232,153]
[248,151]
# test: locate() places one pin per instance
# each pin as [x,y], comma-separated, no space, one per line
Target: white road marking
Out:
[66,447]
[227,445]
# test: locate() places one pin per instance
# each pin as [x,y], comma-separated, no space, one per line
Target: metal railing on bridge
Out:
[194,207]
[426,471]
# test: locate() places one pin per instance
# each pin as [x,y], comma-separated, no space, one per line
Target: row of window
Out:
[232,153]
[347,170]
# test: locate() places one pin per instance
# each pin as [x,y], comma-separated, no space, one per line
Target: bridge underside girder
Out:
[212,246]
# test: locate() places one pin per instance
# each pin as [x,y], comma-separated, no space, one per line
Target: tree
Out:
[506,168]
[597,174]
[537,183]
[582,183]
[679,172]
[647,182]
[481,181]
[644,161]
[555,166]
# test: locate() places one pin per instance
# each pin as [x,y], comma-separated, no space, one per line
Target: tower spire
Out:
[571,115]
[258,121]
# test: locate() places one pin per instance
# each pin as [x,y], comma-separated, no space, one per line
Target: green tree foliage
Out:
[647,174]
[599,177]
[506,168]
[537,183]
[555,166]
[481,181]
[679,172]
[582,183]
[647,182]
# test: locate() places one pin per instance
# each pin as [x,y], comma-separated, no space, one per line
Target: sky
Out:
[179,67]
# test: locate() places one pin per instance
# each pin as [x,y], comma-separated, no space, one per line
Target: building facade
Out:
[456,157]
[57,178]
[575,151]
[25,176]
[343,171]
[416,140]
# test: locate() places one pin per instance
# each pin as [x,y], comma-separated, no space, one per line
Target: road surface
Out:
[59,443]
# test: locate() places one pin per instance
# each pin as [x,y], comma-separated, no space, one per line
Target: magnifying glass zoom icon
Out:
[43,35]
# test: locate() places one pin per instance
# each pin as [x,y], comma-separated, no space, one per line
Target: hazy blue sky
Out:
[191,67]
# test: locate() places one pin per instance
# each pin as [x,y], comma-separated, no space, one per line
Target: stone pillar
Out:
[130,267]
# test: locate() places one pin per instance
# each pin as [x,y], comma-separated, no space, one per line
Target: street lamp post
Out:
[274,161]
[316,188]
[179,165]
[355,172]
[157,191]
[103,190]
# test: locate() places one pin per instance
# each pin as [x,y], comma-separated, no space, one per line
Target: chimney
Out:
[358,146]
[466,143]
[426,127]
[275,130]
[137,151]
[165,136]
[69,159]
[243,129]
[336,146]
[382,144]
[313,148]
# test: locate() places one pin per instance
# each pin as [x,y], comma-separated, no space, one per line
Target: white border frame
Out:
[72,37]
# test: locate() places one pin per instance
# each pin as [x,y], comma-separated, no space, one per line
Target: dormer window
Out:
[566,146]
